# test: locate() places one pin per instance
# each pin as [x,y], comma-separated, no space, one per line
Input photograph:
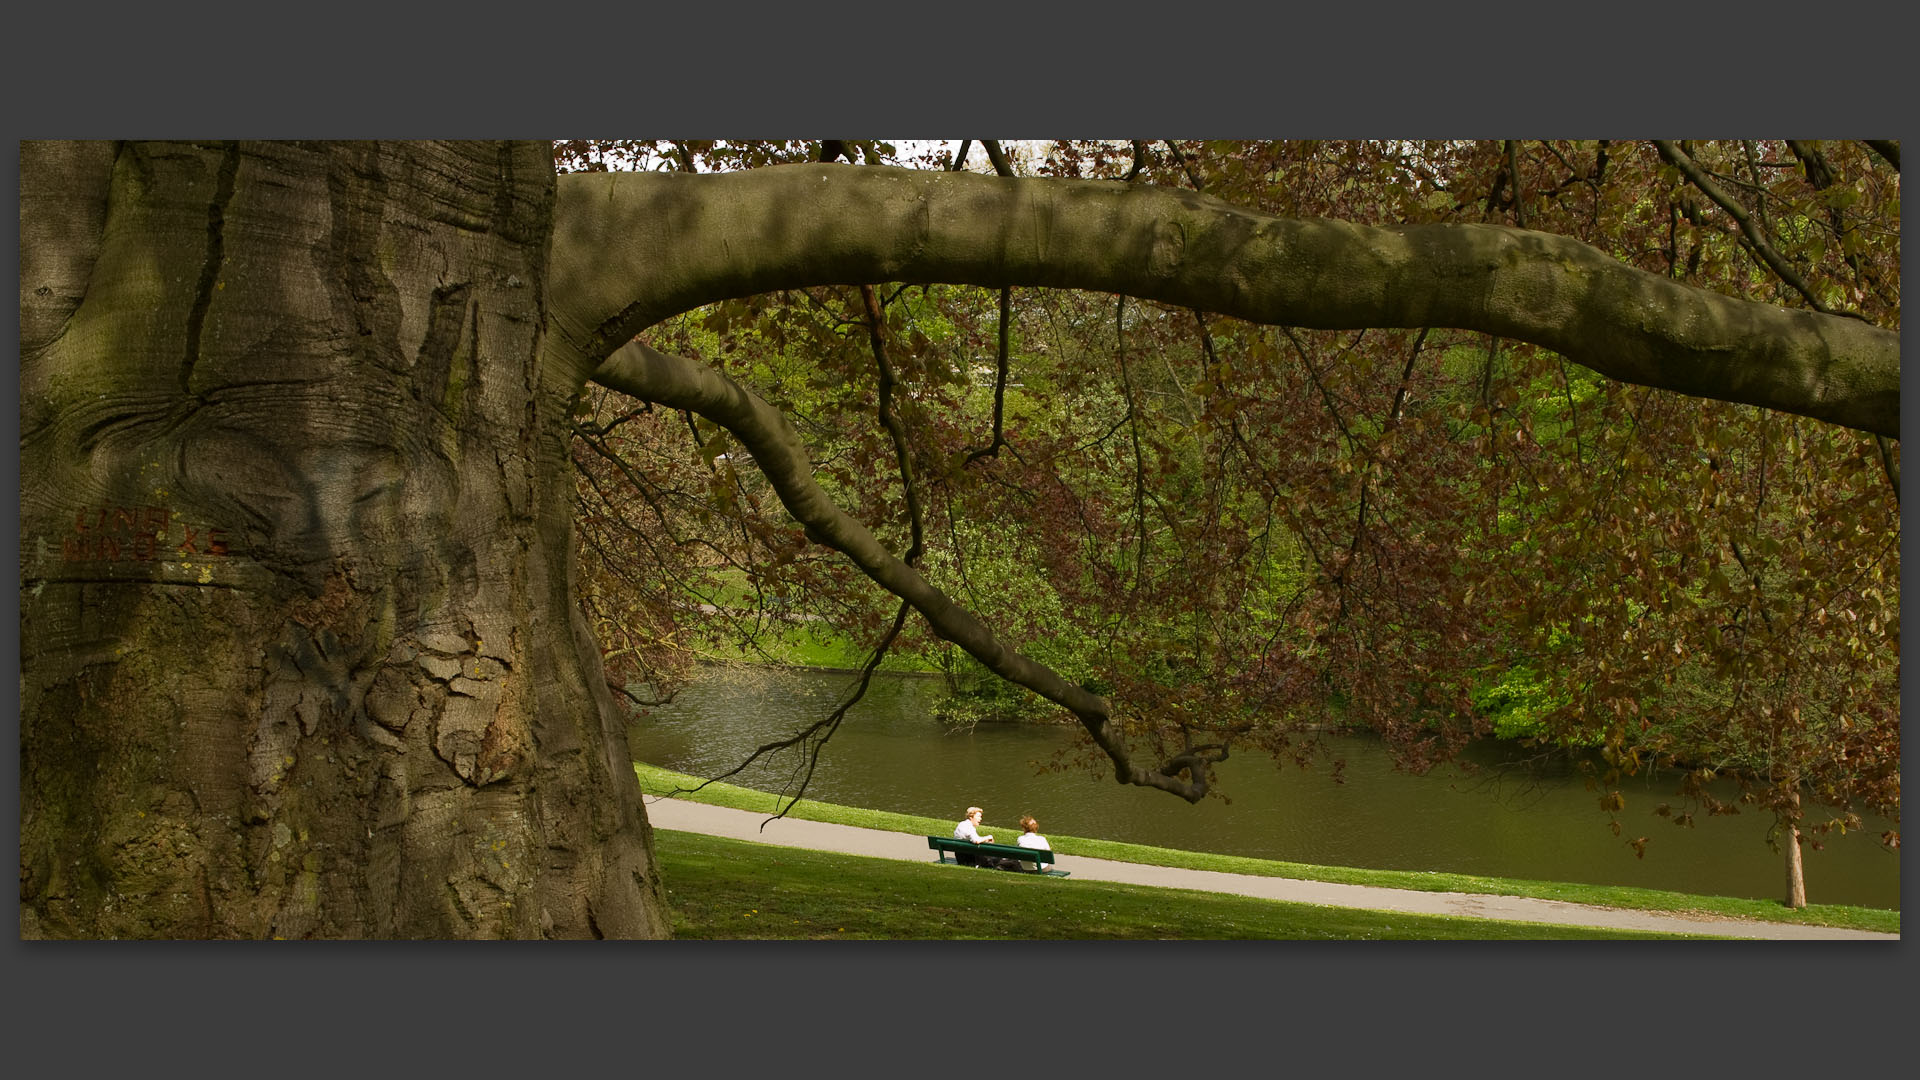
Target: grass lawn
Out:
[721,889]
[657,781]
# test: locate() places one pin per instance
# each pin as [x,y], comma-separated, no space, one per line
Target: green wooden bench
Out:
[943,845]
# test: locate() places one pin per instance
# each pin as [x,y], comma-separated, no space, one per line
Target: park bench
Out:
[942,845]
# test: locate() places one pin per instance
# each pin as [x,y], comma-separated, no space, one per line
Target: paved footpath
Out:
[683,816]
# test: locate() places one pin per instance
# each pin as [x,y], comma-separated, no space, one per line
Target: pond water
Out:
[892,754]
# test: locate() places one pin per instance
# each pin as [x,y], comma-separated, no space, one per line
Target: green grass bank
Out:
[657,781]
[817,895]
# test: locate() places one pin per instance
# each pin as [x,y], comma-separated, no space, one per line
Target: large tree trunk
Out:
[298,652]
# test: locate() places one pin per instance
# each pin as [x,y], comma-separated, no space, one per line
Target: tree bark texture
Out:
[634,248]
[299,656]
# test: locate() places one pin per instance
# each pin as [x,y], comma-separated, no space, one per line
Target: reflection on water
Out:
[891,754]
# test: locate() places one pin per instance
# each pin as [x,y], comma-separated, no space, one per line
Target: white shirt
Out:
[1034,840]
[966,831]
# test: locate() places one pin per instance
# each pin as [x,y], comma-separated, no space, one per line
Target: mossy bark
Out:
[298,652]
[634,248]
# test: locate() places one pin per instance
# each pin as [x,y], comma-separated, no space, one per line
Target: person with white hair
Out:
[969,830]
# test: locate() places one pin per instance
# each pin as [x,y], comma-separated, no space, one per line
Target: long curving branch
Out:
[681,383]
[631,249]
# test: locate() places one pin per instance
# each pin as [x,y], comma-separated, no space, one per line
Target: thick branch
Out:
[680,383]
[1819,173]
[631,249]
[1001,165]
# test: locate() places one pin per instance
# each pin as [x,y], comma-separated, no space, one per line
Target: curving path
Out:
[683,816]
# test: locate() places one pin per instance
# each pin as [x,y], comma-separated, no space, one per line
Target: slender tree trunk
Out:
[298,652]
[1796,874]
[1796,877]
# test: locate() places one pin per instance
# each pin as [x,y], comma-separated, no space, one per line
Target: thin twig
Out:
[992,449]
[644,703]
[813,738]
[1181,160]
[1133,430]
[1326,395]
[1406,375]
[1892,467]
[889,420]
[1680,159]
[1513,180]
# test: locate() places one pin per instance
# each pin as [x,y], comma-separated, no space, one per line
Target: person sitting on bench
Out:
[1030,838]
[969,830]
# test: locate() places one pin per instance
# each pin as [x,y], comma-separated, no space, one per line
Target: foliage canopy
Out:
[1235,535]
